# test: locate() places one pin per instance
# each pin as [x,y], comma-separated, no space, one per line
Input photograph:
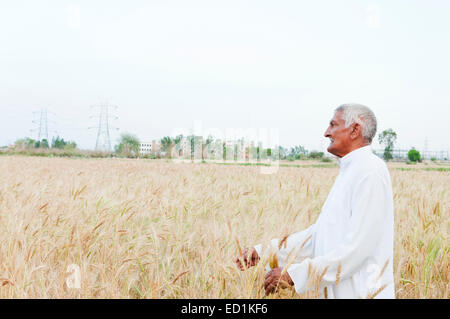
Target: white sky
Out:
[229,64]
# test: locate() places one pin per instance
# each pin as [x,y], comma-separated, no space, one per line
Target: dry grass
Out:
[151,229]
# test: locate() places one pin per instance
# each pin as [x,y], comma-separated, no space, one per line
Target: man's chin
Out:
[331,149]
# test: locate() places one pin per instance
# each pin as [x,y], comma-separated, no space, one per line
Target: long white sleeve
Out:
[369,210]
[291,247]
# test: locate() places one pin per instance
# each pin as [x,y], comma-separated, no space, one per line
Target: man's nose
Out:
[327,132]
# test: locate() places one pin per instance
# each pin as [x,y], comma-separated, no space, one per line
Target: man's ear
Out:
[356,131]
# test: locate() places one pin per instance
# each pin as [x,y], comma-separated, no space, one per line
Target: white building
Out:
[146,148]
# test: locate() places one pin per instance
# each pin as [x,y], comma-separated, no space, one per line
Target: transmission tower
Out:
[42,129]
[103,142]
[42,124]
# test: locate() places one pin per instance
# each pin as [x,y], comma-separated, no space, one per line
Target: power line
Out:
[103,142]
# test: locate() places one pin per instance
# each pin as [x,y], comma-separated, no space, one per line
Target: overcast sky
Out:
[229,64]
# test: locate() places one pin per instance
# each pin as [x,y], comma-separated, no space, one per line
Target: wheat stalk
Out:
[338,273]
[372,295]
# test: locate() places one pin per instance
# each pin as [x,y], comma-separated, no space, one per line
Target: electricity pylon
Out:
[42,124]
[103,142]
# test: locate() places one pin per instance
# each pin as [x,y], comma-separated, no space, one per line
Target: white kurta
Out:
[355,229]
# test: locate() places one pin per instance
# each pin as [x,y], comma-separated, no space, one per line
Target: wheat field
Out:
[137,228]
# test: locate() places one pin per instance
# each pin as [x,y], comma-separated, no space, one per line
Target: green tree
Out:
[178,139]
[297,152]
[129,145]
[191,141]
[205,146]
[315,155]
[414,155]
[224,150]
[177,143]
[282,152]
[387,138]
[24,143]
[44,143]
[58,142]
[167,144]
[41,144]
[70,145]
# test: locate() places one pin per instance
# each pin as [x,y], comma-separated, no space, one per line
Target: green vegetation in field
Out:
[414,155]
[438,169]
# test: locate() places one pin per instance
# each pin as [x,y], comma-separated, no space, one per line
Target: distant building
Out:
[146,148]
[156,146]
[185,148]
[189,147]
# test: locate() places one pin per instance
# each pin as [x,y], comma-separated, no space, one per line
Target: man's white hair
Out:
[361,114]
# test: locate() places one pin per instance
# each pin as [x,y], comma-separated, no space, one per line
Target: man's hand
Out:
[274,279]
[249,257]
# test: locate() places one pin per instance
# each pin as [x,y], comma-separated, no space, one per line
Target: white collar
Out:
[348,158]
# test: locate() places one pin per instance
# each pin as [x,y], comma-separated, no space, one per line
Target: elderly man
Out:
[352,239]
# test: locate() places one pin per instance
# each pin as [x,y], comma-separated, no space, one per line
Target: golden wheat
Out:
[156,229]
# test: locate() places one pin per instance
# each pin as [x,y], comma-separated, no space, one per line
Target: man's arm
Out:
[370,208]
[298,246]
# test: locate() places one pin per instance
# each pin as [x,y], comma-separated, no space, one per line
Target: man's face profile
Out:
[339,135]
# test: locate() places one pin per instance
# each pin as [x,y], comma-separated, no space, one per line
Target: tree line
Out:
[129,145]
[58,142]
